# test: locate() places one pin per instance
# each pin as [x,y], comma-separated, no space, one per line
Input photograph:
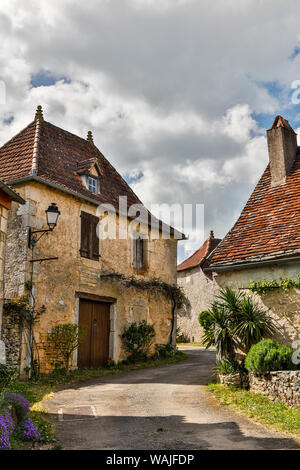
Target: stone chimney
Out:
[282,146]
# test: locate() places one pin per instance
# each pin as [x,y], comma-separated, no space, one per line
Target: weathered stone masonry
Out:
[278,385]
[57,282]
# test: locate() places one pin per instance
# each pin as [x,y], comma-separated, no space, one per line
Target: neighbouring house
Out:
[198,287]
[78,277]
[264,243]
[7,195]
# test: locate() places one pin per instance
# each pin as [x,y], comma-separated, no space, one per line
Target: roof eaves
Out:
[11,193]
[51,184]
[273,258]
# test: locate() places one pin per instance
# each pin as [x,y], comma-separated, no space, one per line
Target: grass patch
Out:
[274,415]
[38,391]
[192,343]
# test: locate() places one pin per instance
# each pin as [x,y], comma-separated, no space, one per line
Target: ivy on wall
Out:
[173,292]
[261,287]
[23,314]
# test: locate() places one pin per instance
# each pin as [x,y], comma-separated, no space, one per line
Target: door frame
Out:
[112,319]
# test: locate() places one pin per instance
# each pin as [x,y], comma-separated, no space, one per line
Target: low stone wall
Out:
[278,386]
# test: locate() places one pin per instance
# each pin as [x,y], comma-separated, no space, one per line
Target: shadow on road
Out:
[85,431]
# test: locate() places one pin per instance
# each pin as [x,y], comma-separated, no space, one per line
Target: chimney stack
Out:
[282,146]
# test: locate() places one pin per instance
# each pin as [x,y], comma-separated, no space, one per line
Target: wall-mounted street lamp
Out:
[52,214]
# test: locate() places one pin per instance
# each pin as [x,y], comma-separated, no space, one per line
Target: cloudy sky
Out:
[178,93]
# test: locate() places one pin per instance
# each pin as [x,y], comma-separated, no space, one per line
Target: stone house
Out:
[264,243]
[7,195]
[79,277]
[198,287]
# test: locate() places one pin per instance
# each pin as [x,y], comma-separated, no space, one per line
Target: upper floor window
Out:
[93,184]
[89,240]
[139,258]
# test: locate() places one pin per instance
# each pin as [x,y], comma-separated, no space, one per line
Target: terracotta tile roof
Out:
[16,154]
[269,225]
[199,258]
[58,156]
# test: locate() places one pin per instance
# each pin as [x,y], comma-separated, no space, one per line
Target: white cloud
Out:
[171,89]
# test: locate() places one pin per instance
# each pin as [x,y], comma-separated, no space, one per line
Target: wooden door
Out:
[94,351]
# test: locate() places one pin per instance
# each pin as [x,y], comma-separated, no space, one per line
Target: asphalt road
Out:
[165,408]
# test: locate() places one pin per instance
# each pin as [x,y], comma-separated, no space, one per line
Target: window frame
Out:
[96,181]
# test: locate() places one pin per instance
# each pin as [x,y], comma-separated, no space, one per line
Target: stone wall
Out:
[12,336]
[57,282]
[278,386]
[200,291]
[3,226]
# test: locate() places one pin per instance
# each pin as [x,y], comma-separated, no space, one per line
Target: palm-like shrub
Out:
[252,324]
[230,300]
[233,321]
[219,333]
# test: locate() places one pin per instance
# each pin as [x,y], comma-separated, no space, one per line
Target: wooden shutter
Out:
[139,258]
[134,253]
[85,230]
[95,240]
[145,254]
[140,253]
[89,244]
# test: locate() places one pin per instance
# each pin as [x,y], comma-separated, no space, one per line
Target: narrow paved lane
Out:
[163,408]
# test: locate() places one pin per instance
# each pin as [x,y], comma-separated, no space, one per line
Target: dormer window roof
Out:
[90,174]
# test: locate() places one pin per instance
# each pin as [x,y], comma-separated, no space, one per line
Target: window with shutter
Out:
[139,250]
[89,244]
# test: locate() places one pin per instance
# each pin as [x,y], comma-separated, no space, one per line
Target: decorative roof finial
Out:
[211,234]
[90,137]
[39,113]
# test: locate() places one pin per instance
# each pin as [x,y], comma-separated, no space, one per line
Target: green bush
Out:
[205,319]
[137,340]
[268,355]
[166,350]
[181,337]
[64,339]
[8,374]
[226,367]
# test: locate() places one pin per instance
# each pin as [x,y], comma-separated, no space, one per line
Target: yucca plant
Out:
[252,324]
[233,321]
[220,332]
[230,300]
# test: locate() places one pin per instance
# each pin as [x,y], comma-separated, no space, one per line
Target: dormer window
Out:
[90,174]
[93,184]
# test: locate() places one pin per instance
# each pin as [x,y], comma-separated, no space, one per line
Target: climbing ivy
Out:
[22,313]
[154,284]
[261,287]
